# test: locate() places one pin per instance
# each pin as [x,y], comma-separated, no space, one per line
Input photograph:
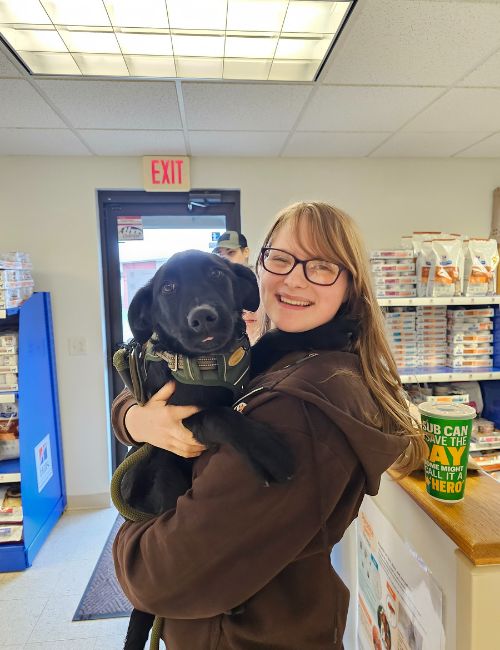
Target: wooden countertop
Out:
[473,524]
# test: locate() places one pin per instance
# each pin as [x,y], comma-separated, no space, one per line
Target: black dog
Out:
[189,316]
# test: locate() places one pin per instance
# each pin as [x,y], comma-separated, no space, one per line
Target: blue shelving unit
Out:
[40,465]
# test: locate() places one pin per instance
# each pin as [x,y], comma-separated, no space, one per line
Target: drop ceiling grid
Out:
[403,42]
[401,69]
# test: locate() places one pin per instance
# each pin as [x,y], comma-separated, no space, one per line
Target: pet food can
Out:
[447,429]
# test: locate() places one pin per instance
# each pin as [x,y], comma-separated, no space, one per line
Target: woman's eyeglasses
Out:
[281,262]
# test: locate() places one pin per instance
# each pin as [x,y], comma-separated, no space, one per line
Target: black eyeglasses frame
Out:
[298,261]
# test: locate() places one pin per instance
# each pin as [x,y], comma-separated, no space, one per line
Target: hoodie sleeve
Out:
[119,408]
[229,535]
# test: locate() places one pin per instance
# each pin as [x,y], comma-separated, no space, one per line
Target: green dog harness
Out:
[229,370]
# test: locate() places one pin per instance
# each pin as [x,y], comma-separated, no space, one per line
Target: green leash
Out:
[134,515]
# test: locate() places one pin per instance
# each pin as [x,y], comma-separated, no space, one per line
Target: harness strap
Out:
[227,370]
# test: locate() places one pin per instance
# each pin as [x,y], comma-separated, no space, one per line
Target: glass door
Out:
[164,223]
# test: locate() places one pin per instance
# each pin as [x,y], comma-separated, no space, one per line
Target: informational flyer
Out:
[43,463]
[400,606]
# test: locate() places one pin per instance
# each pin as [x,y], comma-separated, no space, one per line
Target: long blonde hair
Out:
[334,236]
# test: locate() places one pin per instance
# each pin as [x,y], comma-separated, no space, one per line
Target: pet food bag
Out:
[446,268]
[423,265]
[481,261]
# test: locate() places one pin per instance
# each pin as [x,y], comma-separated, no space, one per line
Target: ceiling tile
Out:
[7,69]
[335,145]
[115,104]
[426,145]
[414,43]
[21,105]
[489,148]
[236,143]
[40,142]
[241,107]
[461,109]
[134,143]
[487,74]
[370,108]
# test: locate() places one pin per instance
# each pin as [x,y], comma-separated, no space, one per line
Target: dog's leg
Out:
[154,484]
[138,630]
[264,449]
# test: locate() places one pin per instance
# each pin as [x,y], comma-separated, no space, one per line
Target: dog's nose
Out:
[202,318]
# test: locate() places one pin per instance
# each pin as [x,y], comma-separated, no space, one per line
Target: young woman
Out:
[240,566]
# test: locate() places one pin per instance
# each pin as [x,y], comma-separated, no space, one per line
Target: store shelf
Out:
[41,462]
[458,300]
[10,471]
[417,375]
[4,313]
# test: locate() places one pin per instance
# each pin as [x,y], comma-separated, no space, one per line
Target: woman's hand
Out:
[161,425]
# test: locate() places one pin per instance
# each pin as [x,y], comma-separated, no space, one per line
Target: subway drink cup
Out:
[447,429]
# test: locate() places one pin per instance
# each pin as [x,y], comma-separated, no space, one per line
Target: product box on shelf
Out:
[8,342]
[10,279]
[469,362]
[15,260]
[8,381]
[393,254]
[8,363]
[11,511]
[9,430]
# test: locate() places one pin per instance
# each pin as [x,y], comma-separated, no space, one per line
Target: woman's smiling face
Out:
[292,302]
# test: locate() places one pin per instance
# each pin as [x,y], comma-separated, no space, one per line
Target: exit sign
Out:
[166,173]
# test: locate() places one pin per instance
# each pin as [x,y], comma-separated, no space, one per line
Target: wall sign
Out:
[166,173]
[130,228]
[43,463]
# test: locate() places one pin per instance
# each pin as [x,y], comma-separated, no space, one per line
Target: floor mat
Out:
[103,596]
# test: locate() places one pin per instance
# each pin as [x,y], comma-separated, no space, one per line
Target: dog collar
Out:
[229,370]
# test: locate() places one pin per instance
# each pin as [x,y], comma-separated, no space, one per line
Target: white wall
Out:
[48,207]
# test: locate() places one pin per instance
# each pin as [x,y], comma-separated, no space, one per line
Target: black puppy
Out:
[191,308]
[188,321]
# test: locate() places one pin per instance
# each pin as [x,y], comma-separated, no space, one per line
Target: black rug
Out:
[103,597]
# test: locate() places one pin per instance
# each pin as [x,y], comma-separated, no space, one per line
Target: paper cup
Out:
[447,429]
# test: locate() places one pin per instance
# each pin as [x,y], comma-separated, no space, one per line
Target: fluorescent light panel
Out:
[276,40]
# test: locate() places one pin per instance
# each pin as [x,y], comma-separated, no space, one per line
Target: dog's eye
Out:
[216,274]
[168,287]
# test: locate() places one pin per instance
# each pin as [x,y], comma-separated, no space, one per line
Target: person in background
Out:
[234,247]
[238,564]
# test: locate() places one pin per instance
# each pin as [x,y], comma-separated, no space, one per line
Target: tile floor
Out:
[37,605]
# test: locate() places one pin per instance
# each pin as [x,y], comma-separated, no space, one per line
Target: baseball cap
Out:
[231,239]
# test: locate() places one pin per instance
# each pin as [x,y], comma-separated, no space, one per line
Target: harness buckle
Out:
[176,362]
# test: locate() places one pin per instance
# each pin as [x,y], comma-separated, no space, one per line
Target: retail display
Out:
[16,281]
[30,439]
[441,265]
[394,273]
[450,330]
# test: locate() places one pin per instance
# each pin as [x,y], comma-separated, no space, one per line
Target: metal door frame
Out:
[113,204]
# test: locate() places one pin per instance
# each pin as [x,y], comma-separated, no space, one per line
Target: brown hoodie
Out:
[231,541]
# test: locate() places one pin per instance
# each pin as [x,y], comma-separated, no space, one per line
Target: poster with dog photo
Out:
[400,605]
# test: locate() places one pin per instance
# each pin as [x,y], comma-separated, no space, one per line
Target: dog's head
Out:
[194,303]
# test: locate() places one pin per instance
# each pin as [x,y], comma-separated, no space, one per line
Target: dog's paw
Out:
[270,457]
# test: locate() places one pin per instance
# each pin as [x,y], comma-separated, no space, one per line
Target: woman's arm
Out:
[156,422]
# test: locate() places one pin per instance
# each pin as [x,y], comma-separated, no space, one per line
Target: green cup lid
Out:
[447,411]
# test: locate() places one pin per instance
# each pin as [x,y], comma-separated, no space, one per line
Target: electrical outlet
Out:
[77,345]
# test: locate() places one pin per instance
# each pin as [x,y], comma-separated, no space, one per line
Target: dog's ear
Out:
[139,313]
[247,288]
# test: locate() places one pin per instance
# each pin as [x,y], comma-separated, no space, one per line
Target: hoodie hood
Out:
[331,382]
